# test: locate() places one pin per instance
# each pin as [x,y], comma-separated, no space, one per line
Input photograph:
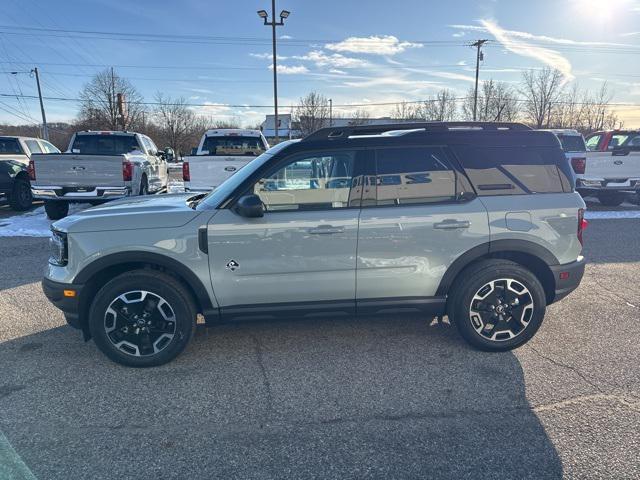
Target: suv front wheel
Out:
[497,305]
[142,318]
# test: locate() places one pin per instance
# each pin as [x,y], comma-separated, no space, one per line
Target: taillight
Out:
[31,169]
[186,174]
[127,171]
[579,164]
[582,224]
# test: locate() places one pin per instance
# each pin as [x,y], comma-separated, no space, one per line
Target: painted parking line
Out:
[11,465]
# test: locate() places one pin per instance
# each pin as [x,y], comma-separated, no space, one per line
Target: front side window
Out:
[617,140]
[33,146]
[413,175]
[593,141]
[233,145]
[318,181]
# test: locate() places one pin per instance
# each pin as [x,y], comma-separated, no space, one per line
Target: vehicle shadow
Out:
[384,397]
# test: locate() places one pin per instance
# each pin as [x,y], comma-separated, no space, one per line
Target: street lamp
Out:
[273,24]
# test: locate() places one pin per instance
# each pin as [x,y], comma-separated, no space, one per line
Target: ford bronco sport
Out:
[478,221]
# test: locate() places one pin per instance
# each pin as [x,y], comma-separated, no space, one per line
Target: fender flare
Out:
[485,250]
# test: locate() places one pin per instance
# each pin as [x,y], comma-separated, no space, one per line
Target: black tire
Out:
[144,186]
[56,209]
[612,199]
[126,330]
[635,198]
[471,282]
[21,197]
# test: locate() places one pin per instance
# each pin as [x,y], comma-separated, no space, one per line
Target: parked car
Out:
[15,153]
[220,154]
[572,143]
[605,141]
[482,224]
[611,169]
[98,166]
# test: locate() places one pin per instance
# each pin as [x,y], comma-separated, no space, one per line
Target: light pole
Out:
[45,129]
[273,24]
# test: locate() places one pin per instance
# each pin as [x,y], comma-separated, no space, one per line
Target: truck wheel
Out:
[497,305]
[56,209]
[142,318]
[612,199]
[21,198]
[144,186]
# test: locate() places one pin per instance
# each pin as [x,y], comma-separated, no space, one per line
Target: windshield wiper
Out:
[193,202]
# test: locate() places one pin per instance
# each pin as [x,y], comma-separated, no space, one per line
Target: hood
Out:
[161,211]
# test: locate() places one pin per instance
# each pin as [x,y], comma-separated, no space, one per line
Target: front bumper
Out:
[79,194]
[70,305]
[567,277]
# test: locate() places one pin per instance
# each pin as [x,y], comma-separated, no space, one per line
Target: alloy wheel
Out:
[501,309]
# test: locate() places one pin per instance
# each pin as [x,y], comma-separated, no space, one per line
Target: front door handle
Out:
[325,230]
[451,224]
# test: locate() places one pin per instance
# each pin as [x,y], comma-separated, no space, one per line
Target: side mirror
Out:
[250,206]
[169,155]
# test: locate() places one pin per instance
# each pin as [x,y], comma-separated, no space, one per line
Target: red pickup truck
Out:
[608,140]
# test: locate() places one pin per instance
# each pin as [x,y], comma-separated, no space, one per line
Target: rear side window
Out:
[234,145]
[572,143]
[593,141]
[10,146]
[413,175]
[33,146]
[104,144]
[512,170]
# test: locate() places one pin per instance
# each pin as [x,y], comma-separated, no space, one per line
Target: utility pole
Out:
[273,24]
[45,129]
[331,112]
[478,46]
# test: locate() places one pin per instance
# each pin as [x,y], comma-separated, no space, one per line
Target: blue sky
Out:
[355,52]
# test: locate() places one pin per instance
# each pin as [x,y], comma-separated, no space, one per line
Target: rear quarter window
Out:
[572,143]
[514,170]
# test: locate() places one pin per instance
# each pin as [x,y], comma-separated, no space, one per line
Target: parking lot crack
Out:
[567,367]
[615,294]
[569,402]
[263,371]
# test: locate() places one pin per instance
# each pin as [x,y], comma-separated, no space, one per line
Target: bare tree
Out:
[440,108]
[597,114]
[497,102]
[405,111]
[311,113]
[176,122]
[542,90]
[359,117]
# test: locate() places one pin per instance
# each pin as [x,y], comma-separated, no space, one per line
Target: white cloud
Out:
[518,45]
[285,37]
[376,45]
[291,69]
[392,81]
[440,74]
[267,56]
[336,60]
[629,34]
[459,34]
[337,71]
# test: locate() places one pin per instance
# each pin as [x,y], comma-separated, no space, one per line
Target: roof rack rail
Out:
[330,133]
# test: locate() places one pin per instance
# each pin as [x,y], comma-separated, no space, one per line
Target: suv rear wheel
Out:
[56,209]
[142,318]
[21,198]
[497,305]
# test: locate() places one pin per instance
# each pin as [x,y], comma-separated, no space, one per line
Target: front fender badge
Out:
[232,265]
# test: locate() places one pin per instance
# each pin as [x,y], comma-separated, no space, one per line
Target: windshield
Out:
[105,144]
[227,145]
[226,188]
[572,143]
[9,146]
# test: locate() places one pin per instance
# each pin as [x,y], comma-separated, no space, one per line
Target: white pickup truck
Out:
[612,174]
[98,166]
[220,154]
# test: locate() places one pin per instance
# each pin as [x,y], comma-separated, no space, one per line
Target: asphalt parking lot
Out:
[384,397]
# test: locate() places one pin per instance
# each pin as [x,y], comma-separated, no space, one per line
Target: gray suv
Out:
[478,221]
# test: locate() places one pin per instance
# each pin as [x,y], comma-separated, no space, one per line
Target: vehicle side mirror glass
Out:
[250,206]
[169,154]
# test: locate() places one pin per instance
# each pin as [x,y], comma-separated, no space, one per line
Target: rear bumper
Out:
[600,184]
[55,292]
[567,277]
[79,194]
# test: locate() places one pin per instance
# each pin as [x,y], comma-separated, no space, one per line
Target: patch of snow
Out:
[611,215]
[32,224]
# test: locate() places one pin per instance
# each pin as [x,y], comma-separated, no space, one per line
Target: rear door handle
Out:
[451,224]
[325,230]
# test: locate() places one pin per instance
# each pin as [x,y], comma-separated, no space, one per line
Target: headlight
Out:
[58,248]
